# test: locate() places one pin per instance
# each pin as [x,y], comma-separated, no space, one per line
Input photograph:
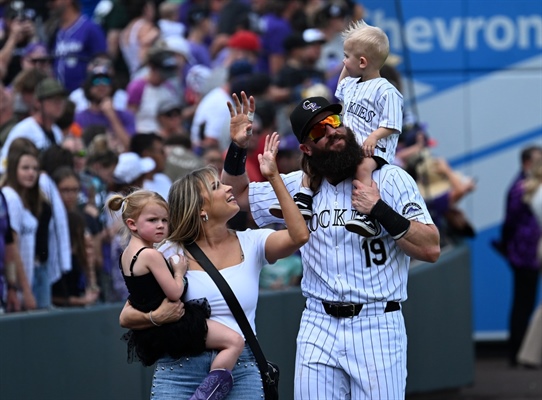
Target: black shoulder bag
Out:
[268,370]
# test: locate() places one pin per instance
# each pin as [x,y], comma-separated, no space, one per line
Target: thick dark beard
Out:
[336,166]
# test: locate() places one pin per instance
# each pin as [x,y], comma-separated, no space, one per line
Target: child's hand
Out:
[268,165]
[179,263]
[369,147]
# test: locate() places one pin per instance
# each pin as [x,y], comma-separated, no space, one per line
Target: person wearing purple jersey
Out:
[352,338]
[75,43]
[373,109]
[98,89]
[200,28]
[274,27]
[519,242]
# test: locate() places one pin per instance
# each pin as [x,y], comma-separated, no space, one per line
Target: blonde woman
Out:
[200,207]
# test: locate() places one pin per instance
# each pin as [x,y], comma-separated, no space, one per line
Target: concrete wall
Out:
[438,318]
[77,353]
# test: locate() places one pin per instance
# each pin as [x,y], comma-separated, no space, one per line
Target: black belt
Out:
[350,310]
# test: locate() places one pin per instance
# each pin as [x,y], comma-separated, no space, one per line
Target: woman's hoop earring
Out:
[205,218]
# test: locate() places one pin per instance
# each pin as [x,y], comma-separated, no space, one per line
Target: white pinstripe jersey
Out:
[370,105]
[339,265]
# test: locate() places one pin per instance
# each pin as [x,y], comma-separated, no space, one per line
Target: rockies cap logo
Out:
[307,105]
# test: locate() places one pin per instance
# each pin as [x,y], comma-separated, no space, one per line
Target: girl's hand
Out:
[268,164]
[179,263]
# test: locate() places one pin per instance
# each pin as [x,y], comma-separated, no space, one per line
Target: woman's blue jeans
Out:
[178,379]
[41,288]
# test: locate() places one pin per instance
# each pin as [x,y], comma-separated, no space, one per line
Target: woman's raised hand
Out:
[268,164]
[242,115]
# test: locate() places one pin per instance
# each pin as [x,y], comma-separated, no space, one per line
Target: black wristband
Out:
[236,157]
[395,224]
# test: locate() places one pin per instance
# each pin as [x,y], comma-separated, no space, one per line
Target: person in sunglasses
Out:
[352,338]
[373,109]
[99,90]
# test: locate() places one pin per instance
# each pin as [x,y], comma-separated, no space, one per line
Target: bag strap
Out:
[232,302]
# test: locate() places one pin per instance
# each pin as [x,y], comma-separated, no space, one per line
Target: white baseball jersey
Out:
[362,357]
[339,265]
[370,105]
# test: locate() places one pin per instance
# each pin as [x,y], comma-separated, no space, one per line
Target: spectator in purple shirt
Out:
[75,43]
[200,27]
[274,25]
[98,90]
[520,234]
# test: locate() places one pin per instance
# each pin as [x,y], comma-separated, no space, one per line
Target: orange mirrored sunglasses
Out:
[318,131]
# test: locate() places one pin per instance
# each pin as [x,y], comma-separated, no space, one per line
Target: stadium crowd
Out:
[99,97]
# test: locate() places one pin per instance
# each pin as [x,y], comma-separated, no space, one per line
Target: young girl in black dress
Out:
[150,278]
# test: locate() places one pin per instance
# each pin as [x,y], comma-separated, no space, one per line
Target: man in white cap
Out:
[41,126]
[132,169]
[152,146]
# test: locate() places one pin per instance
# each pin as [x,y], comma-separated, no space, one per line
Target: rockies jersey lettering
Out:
[360,111]
[325,218]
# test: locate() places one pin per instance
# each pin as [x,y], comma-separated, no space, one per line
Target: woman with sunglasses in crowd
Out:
[99,89]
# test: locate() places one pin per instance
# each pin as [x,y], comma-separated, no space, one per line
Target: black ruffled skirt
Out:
[185,337]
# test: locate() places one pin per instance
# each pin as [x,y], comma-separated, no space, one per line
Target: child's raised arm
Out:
[369,144]
[281,243]
[344,74]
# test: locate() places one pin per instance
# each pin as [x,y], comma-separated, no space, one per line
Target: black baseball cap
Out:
[162,59]
[198,13]
[294,41]
[306,110]
[333,10]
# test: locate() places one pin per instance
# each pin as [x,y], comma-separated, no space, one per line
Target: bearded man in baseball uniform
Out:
[352,341]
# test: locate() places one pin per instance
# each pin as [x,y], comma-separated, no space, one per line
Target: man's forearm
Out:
[234,174]
[169,311]
[118,129]
[239,184]
[134,319]
[421,242]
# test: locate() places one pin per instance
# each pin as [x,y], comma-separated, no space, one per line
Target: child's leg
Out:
[362,224]
[303,200]
[364,172]
[229,342]
[219,381]
[305,185]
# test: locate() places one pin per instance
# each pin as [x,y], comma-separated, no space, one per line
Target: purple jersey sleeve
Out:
[97,42]
[135,91]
